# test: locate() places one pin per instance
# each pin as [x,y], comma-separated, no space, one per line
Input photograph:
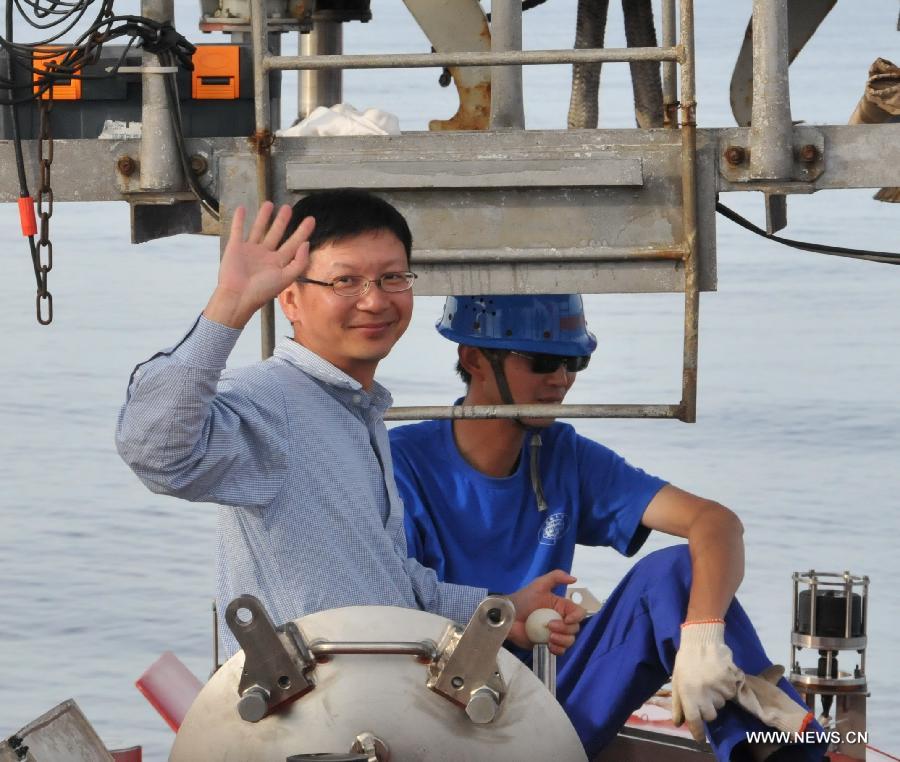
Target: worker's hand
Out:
[761,696]
[538,595]
[704,676]
[256,270]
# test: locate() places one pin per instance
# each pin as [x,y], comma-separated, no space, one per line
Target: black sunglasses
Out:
[541,363]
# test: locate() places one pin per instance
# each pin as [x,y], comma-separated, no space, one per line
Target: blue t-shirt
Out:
[476,529]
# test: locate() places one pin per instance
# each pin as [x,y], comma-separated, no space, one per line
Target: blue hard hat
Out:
[546,323]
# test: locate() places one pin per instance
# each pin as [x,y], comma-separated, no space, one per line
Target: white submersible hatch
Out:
[349,684]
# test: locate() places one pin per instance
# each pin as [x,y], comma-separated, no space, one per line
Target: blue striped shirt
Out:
[296,454]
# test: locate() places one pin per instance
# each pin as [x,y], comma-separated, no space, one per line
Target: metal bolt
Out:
[735,155]
[370,744]
[199,164]
[253,704]
[126,165]
[482,706]
[809,153]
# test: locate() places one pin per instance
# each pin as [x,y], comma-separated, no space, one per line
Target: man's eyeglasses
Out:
[357,285]
[541,363]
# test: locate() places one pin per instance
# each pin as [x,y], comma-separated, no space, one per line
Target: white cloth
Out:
[343,119]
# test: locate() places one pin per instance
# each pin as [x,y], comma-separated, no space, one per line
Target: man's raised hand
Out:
[256,269]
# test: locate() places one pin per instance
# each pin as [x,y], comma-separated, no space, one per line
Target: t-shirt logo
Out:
[553,528]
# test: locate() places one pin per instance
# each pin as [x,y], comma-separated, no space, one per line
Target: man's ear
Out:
[475,363]
[289,299]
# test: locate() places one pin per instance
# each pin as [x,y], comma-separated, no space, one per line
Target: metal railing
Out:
[506,58]
[671,55]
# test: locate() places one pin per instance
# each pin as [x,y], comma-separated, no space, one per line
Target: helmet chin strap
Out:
[495,358]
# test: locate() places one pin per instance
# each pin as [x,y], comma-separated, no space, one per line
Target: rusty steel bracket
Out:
[454,27]
[276,660]
[808,166]
[466,670]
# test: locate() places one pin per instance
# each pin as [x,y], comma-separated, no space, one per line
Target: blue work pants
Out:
[624,653]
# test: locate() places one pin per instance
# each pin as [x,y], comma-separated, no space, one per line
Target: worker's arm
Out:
[704,675]
[715,539]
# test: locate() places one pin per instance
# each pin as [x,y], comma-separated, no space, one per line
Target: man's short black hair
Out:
[346,212]
[463,374]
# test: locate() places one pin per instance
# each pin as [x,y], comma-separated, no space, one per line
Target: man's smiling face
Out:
[353,333]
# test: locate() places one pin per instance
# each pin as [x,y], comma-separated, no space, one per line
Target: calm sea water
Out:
[798,410]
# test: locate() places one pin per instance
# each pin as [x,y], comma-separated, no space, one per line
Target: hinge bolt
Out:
[482,706]
[809,153]
[126,165]
[253,704]
[199,164]
[735,155]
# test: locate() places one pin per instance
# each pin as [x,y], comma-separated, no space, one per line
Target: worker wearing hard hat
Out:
[498,502]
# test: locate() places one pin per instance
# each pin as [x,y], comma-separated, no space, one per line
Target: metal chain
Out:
[43,263]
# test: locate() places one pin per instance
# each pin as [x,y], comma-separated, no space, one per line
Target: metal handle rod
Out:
[771,131]
[865,622]
[688,411]
[421,649]
[439,412]
[509,58]
[507,109]
[793,666]
[669,83]
[263,115]
[848,604]
[544,666]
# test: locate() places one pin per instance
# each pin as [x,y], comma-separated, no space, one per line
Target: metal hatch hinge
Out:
[466,670]
[276,660]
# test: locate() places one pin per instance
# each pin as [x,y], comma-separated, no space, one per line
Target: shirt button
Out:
[357,398]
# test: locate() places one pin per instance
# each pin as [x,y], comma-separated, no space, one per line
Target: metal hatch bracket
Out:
[276,660]
[465,670]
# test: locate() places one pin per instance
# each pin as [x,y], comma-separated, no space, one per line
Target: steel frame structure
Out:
[505,17]
[632,210]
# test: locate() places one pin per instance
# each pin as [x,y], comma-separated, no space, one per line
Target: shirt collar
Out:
[319,368]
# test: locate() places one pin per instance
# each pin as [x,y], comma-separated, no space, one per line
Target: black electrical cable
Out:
[69,60]
[78,10]
[17,143]
[14,112]
[885,257]
[209,202]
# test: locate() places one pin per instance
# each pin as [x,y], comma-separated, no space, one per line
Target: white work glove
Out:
[704,676]
[759,695]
